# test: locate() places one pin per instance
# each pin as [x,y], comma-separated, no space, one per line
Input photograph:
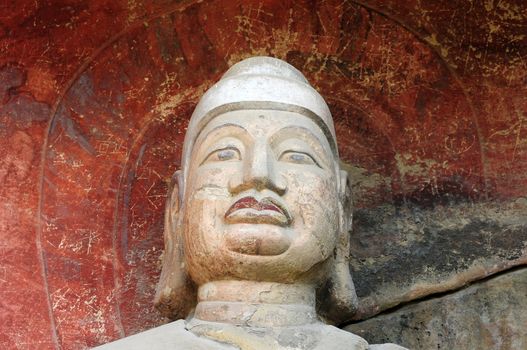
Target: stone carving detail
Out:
[256,222]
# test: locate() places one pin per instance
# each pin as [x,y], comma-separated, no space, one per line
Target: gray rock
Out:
[487,315]
[400,254]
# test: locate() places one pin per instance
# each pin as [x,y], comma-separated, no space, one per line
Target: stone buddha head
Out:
[260,196]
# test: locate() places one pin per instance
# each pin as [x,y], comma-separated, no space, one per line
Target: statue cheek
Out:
[313,193]
[316,209]
[207,200]
[204,218]
[215,175]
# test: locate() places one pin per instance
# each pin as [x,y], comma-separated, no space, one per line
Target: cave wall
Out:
[429,101]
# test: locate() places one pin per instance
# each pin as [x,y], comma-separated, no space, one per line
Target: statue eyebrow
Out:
[223,126]
[302,128]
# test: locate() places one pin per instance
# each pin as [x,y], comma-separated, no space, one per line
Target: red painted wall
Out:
[429,100]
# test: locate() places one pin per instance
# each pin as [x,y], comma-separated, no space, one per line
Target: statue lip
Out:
[264,211]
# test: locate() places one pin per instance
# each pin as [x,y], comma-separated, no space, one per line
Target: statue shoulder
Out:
[172,335]
[387,346]
[336,338]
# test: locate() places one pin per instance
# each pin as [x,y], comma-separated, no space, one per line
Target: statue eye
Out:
[223,155]
[297,158]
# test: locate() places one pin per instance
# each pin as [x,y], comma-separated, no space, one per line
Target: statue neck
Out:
[256,304]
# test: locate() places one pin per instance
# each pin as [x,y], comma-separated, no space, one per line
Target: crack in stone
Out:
[439,295]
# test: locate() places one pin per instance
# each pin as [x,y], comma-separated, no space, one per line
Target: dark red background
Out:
[428,100]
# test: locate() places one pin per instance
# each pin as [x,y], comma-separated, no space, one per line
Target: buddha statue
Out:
[257,222]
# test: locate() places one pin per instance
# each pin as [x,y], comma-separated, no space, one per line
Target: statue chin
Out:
[257,239]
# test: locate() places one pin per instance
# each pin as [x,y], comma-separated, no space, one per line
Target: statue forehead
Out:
[261,122]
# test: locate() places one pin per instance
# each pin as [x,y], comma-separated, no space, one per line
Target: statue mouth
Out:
[252,211]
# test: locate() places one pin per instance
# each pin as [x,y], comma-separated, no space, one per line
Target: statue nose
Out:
[259,172]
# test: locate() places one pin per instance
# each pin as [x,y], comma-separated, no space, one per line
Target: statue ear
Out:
[175,293]
[340,300]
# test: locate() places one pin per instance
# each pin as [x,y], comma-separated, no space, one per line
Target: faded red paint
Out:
[428,100]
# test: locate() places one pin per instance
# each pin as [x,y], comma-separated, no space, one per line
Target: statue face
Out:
[261,198]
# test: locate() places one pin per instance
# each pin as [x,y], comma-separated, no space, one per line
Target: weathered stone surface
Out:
[173,335]
[487,315]
[430,104]
[434,249]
